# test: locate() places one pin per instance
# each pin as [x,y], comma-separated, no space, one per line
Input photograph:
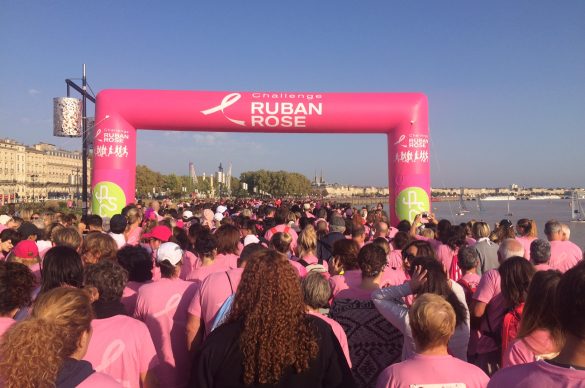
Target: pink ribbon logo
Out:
[111,354]
[227,101]
[170,306]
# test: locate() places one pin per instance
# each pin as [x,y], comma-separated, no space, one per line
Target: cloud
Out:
[34,92]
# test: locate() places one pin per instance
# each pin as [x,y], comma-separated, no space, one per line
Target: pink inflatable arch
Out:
[402,116]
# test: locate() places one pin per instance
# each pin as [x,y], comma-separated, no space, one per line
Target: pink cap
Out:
[26,249]
[160,232]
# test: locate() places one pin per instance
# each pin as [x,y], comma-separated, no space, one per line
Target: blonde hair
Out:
[307,241]
[133,215]
[480,229]
[33,351]
[428,233]
[432,321]
[66,236]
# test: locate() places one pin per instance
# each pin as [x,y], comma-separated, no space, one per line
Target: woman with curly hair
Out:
[46,349]
[268,338]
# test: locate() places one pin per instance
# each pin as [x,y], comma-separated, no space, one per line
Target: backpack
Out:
[454,271]
[319,267]
[223,312]
[468,289]
[225,307]
[510,327]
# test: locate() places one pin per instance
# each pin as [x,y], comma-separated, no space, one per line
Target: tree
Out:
[276,183]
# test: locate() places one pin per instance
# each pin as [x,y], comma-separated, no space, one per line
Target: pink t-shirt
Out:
[564,255]
[312,259]
[133,238]
[302,271]
[5,324]
[350,279]
[130,294]
[99,380]
[445,255]
[423,370]
[539,374]
[227,259]
[163,307]
[489,292]
[155,268]
[537,346]
[542,267]
[190,263]
[339,333]
[121,347]
[283,228]
[395,259]
[212,294]
[472,279]
[392,277]
[526,241]
[200,273]
[355,293]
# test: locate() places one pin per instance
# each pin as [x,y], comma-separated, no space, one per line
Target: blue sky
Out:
[505,79]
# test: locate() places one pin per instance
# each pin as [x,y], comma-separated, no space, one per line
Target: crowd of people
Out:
[287,294]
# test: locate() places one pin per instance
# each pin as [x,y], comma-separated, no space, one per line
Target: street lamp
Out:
[66,117]
[33,179]
[75,175]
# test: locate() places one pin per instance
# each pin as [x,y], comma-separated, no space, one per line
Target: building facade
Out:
[39,172]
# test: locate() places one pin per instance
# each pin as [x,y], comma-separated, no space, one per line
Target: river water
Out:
[493,211]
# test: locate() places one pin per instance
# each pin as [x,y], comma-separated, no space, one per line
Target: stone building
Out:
[41,171]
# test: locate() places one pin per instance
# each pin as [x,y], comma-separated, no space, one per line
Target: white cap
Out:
[187,214]
[218,216]
[221,209]
[169,251]
[251,239]
[4,219]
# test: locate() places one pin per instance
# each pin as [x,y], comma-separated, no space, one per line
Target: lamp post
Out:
[77,184]
[66,119]
[33,179]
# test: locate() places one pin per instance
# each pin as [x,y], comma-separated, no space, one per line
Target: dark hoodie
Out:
[73,372]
